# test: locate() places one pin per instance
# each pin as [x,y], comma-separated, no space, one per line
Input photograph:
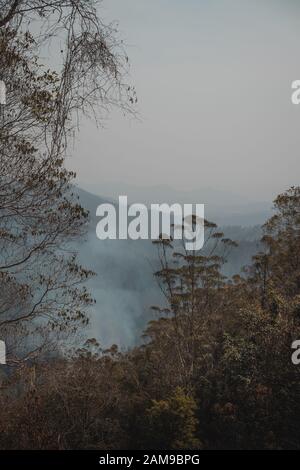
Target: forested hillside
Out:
[124,286]
[214,369]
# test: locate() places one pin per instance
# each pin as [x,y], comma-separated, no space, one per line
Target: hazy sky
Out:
[213,79]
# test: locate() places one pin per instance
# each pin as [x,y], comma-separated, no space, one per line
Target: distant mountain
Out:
[220,206]
[124,287]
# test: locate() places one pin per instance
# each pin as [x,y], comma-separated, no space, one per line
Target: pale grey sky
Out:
[213,79]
